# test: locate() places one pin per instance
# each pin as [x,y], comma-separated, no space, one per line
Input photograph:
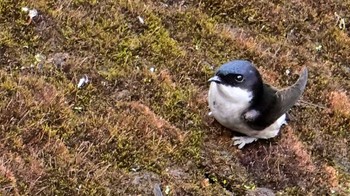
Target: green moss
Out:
[91,140]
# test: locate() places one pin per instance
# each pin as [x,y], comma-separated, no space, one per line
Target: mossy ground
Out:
[140,123]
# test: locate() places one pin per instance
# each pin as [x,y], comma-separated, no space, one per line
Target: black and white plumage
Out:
[239,100]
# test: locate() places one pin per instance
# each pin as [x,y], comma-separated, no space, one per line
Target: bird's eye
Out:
[239,78]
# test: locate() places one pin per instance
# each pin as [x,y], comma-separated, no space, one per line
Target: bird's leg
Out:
[243,140]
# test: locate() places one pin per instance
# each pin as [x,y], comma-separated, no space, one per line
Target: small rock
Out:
[156,190]
[146,182]
[59,59]
[205,183]
[260,192]
[122,95]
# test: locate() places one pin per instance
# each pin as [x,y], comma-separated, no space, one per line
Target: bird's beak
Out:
[215,79]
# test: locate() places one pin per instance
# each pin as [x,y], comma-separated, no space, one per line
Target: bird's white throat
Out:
[231,94]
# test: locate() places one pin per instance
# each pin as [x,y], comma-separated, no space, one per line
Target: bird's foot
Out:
[243,140]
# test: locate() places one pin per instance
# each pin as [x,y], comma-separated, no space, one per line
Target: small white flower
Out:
[84,80]
[167,190]
[104,83]
[78,108]
[318,47]
[152,69]
[25,9]
[197,47]
[39,58]
[287,72]
[141,20]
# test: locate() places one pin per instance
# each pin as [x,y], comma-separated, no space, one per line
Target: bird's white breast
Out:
[227,104]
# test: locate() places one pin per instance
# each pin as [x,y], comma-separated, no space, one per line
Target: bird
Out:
[240,101]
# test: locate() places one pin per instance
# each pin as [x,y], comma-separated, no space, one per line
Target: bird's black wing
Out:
[280,102]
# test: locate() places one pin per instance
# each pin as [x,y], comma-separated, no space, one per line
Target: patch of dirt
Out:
[340,102]
[158,122]
[279,165]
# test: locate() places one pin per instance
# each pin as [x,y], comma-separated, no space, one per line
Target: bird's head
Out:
[238,73]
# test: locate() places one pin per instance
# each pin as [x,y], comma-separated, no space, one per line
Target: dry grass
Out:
[141,122]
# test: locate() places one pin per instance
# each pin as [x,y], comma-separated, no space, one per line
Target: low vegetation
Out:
[137,123]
